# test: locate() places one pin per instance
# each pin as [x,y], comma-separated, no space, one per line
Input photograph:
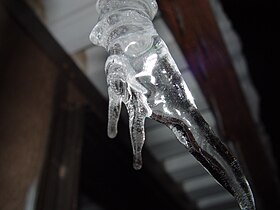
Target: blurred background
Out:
[54,150]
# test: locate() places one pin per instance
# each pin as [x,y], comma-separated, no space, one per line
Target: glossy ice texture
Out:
[142,74]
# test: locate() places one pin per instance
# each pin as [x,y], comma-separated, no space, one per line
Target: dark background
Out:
[256,23]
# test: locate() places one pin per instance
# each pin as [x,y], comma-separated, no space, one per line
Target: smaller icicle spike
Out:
[142,74]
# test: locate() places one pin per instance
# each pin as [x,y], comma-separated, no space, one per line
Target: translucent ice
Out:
[142,74]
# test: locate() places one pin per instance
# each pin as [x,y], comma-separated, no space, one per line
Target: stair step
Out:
[182,161]
[199,183]
[188,173]
[217,202]
[168,150]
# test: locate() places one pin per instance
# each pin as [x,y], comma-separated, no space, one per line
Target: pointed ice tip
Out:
[112,135]
[137,161]
[112,132]
[137,166]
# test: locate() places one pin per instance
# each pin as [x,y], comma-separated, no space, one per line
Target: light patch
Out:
[161,100]
[148,68]
[129,45]
[189,123]
[189,95]
[178,112]
[166,110]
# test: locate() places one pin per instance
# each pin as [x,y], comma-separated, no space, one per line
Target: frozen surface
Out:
[142,74]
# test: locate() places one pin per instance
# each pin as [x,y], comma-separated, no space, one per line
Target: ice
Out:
[142,74]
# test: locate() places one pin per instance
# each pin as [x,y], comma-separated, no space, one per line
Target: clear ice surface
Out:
[142,74]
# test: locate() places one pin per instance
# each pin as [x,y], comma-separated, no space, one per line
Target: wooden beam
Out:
[59,181]
[197,33]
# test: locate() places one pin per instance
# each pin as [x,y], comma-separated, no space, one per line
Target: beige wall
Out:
[27,79]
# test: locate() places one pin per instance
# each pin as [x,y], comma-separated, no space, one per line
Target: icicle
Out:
[142,74]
